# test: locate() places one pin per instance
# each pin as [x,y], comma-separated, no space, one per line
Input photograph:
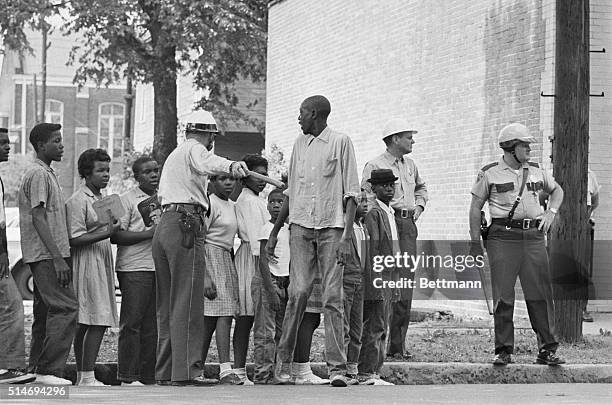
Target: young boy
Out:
[380,223]
[353,291]
[136,274]
[278,273]
[46,248]
[270,295]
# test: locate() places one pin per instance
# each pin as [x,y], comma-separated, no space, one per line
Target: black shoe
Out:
[14,376]
[502,359]
[549,358]
[190,383]
[399,356]
[163,382]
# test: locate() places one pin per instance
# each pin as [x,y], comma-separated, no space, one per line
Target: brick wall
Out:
[459,70]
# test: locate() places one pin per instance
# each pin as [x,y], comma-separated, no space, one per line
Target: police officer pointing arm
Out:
[178,249]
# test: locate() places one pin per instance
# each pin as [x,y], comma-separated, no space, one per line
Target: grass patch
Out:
[434,339]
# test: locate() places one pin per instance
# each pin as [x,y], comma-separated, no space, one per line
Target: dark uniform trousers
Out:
[179,275]
[516,252]
[400,310]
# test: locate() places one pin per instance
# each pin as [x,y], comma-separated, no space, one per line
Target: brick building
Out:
[90,117]
[459,70]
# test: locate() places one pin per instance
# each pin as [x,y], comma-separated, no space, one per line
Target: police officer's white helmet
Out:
[201,121]
[397,126]
[514,133]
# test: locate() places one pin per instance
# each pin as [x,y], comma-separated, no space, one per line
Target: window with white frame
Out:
[111,121]
[54,112]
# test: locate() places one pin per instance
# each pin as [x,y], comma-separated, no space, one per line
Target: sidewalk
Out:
[421,373]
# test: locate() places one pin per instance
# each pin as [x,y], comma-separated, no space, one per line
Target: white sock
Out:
[225,369]
[298,369]
[87,377]
[79,376]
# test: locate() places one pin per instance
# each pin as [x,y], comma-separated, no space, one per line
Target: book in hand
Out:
[108,206]
[150,210]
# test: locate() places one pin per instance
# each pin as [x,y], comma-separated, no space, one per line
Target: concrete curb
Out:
[401,373]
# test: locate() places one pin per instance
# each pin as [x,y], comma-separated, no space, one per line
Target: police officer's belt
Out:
[188,208]
[517,223]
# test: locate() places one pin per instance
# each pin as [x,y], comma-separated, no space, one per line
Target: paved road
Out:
[557,394]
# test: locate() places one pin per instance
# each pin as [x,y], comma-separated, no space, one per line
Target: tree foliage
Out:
[216,42]
[16,16]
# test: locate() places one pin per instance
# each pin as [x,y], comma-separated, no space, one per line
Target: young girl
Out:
[252,215]
[218,314]
[93,277]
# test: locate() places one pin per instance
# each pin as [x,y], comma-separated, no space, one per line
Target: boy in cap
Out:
[382,229]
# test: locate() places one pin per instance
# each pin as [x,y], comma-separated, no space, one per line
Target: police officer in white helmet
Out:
[178,249]
[515,241]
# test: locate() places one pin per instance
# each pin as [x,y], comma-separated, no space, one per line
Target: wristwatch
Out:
[553,210]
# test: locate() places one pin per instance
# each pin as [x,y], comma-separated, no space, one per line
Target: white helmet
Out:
[512,134]
[201,121]
[397,126]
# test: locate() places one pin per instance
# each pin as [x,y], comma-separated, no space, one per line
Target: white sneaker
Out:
[49,379]
[93,383]
[246,381]
[379,381]
[132,384]
[310,379]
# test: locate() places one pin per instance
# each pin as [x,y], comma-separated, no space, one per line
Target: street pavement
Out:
[557,394]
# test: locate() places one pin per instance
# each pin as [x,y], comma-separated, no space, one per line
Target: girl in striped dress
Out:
[252,215]
[221,227]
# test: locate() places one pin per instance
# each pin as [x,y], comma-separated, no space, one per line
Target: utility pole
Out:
[45,46]
[35,103]
[129,101]
[569,263]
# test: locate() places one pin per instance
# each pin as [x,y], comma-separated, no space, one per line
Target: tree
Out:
[15,16]
[152,41]
[570,163]
[218,42]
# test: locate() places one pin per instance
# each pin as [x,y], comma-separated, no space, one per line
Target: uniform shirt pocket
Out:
[504,187]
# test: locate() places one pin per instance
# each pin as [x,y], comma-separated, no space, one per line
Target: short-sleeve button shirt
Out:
[499,184]
[40,186]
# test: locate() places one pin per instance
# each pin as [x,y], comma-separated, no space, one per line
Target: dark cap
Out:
[382,176]
[198,127]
